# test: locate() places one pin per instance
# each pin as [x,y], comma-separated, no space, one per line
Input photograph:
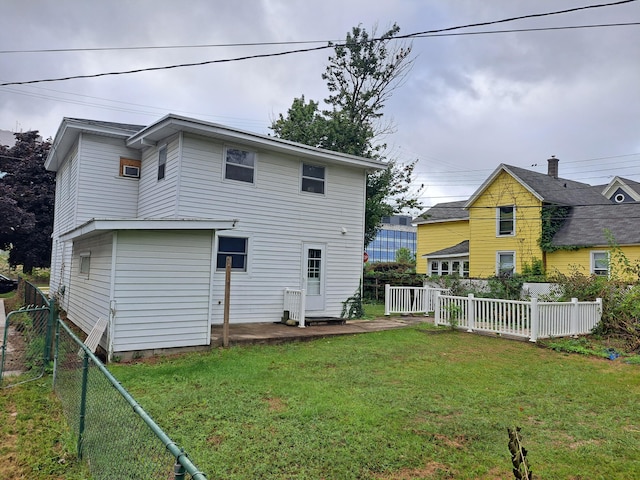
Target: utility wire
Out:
[312,49]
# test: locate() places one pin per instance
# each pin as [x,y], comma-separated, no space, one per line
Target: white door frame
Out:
[315,293]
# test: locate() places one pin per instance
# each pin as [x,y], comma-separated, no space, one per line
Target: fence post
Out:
[303,307]
[55,354]
[471,313]
[574,317]
[535,320]
[48,334]
[179,471]
[387,300]
[83,400]
[436,309]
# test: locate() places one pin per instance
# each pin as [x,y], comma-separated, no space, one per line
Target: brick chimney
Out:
[553,167]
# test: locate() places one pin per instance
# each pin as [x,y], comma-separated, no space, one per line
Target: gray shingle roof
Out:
[125,127]
[559,191]
[444,211]
[587,224]
[459,249]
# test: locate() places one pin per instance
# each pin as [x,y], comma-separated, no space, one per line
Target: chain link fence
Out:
[115,436]
[26,337]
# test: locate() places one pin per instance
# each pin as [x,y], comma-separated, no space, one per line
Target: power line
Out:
[312,49]
[306,42]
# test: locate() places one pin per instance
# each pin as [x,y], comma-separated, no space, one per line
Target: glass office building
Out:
[396,232]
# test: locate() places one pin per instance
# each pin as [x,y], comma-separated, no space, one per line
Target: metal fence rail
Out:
[115,436]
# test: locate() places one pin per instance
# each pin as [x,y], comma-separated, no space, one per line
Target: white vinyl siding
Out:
[89,294]
[158,199]
[278,219]
[162,286]
[102,192]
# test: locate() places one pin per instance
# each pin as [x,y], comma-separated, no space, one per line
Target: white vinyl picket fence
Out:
[294,305]
[528,319]
[410,300]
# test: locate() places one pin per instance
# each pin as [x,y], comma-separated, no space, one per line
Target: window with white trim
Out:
[162,161]
[505,263]
[85,264]
[434,268]
[312,178]
[450,266]
[239,165]
[506,220]
[237,249]
[600,263]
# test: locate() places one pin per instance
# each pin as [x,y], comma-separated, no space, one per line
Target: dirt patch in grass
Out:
[15,351]
[8,445]
[276,404]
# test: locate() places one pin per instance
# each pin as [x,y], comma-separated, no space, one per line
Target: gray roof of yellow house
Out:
[458,250]
[444,212]
[587,225]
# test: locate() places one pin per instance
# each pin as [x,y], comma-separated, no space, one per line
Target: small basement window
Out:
[129,168]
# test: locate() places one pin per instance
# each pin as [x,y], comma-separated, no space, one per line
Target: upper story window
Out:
[312,178]
[239,165]
[600,263]
[162,161]
[506,217]
[129,168]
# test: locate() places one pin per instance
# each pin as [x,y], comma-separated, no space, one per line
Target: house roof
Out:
[141,136]
[459,250]
[586,225]
[444,212]
[71,128]
[172,124]
[630,186]
[558,191]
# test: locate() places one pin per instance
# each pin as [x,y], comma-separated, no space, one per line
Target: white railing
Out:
[527,319]
[294,303]
[408,300]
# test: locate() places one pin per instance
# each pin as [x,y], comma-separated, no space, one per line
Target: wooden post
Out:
[227,294]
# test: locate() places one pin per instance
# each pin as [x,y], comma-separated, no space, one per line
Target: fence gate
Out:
[27,339]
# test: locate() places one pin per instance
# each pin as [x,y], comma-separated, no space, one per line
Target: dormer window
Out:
[619,198]
[506,220]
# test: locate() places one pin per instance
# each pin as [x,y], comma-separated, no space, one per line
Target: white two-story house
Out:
[145,217]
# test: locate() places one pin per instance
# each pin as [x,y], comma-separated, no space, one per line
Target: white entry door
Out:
[313,271]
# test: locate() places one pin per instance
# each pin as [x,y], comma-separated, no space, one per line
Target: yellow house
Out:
[519,218]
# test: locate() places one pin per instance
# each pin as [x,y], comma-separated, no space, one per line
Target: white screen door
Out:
[313,271]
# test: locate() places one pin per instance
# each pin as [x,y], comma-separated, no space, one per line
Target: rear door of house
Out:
[313,269]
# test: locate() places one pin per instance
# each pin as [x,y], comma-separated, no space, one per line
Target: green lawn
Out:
[401,404]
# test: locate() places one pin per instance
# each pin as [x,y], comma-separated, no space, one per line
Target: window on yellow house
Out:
[506,217]
[505,263]
[600,263]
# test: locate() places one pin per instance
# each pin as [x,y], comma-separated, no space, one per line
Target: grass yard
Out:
[401,404]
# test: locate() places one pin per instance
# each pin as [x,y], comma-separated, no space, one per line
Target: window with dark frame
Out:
[162,162]
[239,165]
[312,178]
[506,220]
[234,247]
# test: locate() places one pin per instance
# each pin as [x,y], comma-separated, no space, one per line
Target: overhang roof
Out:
[97,226]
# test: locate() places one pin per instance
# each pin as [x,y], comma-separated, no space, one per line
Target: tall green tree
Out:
[361,76]
[27,194]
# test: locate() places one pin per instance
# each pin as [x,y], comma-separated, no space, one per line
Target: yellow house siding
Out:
[565,262]
[484,242]
[432,237]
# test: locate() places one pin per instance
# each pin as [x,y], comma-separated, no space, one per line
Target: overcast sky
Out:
[470,102]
